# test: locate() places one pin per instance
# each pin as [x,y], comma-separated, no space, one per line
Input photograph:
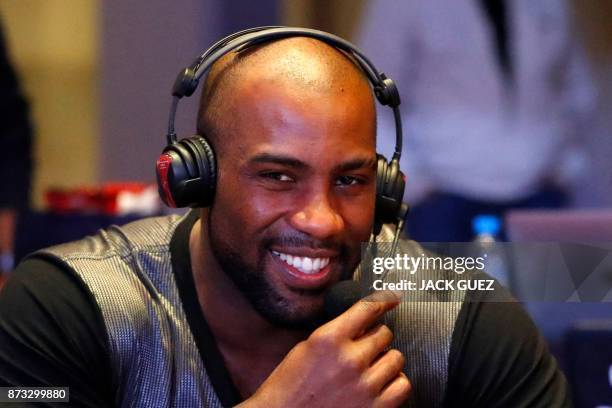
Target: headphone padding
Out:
[207,163]
[186,157]
[389,192]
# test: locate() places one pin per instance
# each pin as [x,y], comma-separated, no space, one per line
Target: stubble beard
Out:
[261,293]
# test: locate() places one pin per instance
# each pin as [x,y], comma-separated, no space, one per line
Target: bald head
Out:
[303,66]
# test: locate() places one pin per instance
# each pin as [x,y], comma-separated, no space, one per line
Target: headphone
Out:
[187,170]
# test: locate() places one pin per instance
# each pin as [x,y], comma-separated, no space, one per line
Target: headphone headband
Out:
[254,36]
[188,79]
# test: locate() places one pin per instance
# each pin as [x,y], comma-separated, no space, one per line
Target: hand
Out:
[342,364]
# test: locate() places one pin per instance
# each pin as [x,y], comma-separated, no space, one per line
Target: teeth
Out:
[307,264]
[303,264]
[297,262]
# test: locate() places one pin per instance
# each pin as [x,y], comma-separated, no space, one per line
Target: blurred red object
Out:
[110,199]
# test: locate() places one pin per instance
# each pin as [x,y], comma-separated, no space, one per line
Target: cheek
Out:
[358,215]
[243,206]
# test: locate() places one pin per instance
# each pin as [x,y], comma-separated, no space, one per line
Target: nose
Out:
[318,218]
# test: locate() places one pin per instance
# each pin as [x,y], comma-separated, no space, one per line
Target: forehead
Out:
[274,115]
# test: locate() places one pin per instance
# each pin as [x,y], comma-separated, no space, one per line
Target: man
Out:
[225,308]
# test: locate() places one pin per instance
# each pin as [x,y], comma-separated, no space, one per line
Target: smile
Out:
[303,263]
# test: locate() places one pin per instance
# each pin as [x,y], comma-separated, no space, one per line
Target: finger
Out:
[395,394]
[384,370]
[364,313]
[373,342]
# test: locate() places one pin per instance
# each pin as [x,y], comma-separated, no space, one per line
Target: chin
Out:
[294,308]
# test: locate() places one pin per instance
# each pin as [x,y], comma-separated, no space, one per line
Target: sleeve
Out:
[15,137]
[52,334]
[499,359]
[578,87]
[578,95]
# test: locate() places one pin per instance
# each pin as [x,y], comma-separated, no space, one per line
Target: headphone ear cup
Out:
[186,173]
[168,168]
[390,186]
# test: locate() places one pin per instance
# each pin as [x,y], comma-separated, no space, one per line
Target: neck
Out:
[238,328]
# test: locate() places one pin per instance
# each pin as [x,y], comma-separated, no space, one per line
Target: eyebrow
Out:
[288,161]
[354,164]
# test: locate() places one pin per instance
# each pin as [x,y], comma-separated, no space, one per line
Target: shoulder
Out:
[499,358]
[44,284]
[52,333]
[149,234]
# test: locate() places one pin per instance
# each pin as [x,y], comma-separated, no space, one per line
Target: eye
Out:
[277,176]
[348,181]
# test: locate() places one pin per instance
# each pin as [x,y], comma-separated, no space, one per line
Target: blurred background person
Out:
[497,96]
[16,162]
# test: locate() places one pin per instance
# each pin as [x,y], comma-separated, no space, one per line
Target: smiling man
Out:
[295,137]
[225,306]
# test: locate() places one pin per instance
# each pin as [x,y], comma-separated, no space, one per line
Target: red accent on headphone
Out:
[163,164]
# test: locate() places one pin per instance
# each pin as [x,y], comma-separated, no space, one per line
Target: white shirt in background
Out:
[465,130]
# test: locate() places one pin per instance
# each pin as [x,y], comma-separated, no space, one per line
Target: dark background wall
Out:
[143,48]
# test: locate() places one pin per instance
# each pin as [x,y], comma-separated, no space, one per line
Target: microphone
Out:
[344,294]
[340,297]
